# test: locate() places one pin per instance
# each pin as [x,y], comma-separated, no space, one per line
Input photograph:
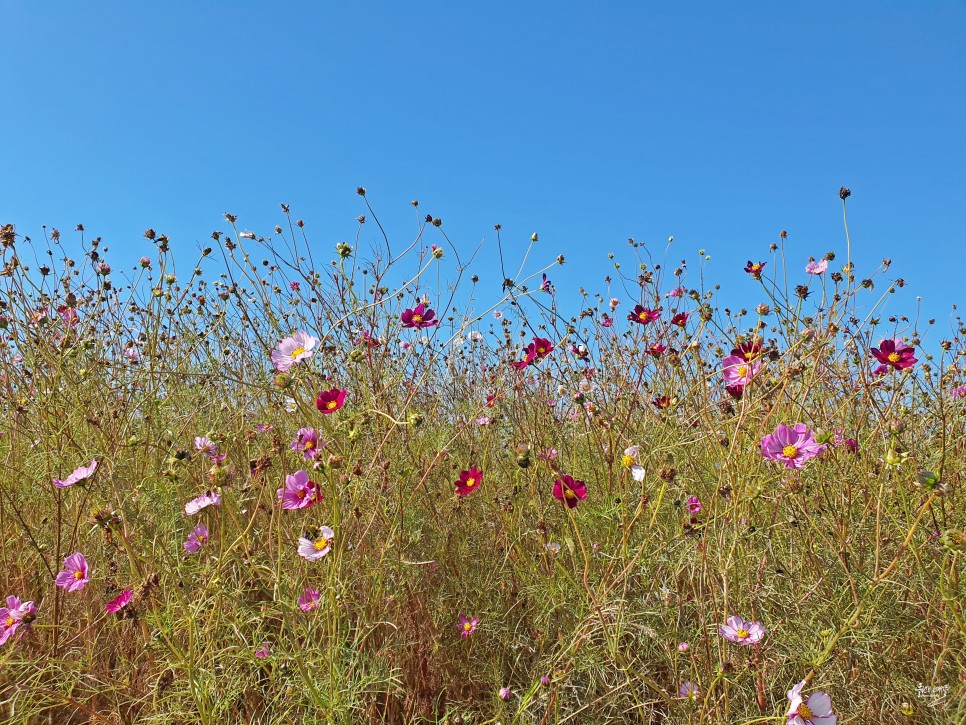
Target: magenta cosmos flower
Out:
[318,545]
[694,505]
[264,651]
[196,539]
[74,577]
[816,710]
[299,492]
[680,319]
[80,474]
[791,446]
[119,602]
[330,401]
[894,352]
[536,350]
[208,498]
[467,626]
[469,481]
[307,443]
[755,268]
[741,632]
[309,600]
[293,350]
[15,615]
[738,371]
[419,317]
[569,490]
[642,316]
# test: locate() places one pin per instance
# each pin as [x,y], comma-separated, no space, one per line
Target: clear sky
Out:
[718,123]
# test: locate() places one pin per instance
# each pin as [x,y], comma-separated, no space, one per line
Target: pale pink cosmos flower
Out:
[264,651]
[792,446]
[208,498]
[80,474]
[73,577]
[738,371]
[688,691]
[677,292]
[119,602]
[958,392]
[293,350]
[816,710]
[819,267]
[317,547]
[467,626]
[196,539]
[299,492]
[741,632]
[206,446]
[684,647]
[15,615]
[505,693]
[309,600]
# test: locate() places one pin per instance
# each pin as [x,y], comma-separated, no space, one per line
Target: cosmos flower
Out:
[505,693]
[655,350]
[688,691]
[536,350]
[79,474]
[73,577]
[119,602]
[330,401]
[741,632]
[299,492]
[467,626]
[894,352]
[196,539]
[739,371]
[677,292]
[816,710]
[749,349]
[206,446]
[755,268]
[819,267]
[264,651]
[642,316]
[791,446]
[309,600]
[469,481]
[694,505]
[318,546]
[208,498]
[958,392]
[307,443]
[419,317]
[680,319]
[569,490]
[15,615]
[293,350]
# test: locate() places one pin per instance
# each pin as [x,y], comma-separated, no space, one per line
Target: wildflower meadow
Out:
[277,478]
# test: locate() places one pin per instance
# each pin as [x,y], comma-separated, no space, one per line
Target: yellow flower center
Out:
[743,634]
[202,538]
[893,357]
[467,626]
[642,316]
[331,405]
[78,575]
[10,621]
[568,493]
[301,493]
[743,370]
[804,712]
[308,445]
[470,482]
[542,350]
[628,461]
[320,544]
[298,351]
[789,451]
[417,318]
[749,355]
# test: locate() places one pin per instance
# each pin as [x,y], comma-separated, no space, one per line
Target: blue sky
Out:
[717,123]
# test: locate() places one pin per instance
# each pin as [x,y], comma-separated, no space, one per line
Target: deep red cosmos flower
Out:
[469,481]
[748,350]
[330,401]
[641,315]
[895,353]
[419,317]
[656,350]
[754,268]
[662,403]
[735,391]
[569,490]
[680,319]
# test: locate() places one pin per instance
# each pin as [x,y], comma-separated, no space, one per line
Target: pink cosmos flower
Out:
[816,710]
[264,651]
[677,292]
[688,691]
[880,370]
[330,401]
[419,317]
[569,490]
[119,602]
[309,600]
[791,446]
[469,481]
[73,577]
[307,443]
[318,546]
[741,632]
[467,626]
[738,371]
[536,350]
[819,267]
[132,353]
[15,615]
[196,539]
[80,474]
[294,286]
[208,498]
[293,350]
[694,505]
[655,350]
[958,392]
[299,492]
[505,693]
[206,446]
[642,315]
[263,427]
[606,321]
[547,454]
[896,353]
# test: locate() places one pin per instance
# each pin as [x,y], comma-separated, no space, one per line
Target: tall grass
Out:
[591,614]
